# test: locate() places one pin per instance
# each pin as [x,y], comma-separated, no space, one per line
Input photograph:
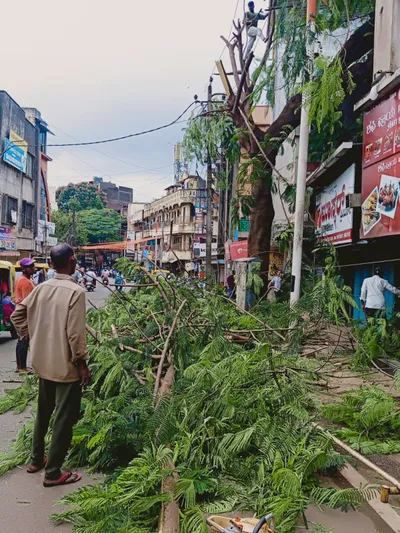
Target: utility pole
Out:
[209,221]
[302,166]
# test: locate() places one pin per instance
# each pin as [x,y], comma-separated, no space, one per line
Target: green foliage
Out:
[371,418]
[326,93]
[254,280]
[80,196]
[17,399]
[378,338]
[211,135]
[100,225]
[68,230]
[88,226]
[236,431]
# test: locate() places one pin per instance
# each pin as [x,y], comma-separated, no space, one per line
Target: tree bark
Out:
[261,221]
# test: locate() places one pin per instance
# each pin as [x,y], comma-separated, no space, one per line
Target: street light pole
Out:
[302,167]
[209,222]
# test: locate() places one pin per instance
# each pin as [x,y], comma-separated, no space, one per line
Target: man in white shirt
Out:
[373,293]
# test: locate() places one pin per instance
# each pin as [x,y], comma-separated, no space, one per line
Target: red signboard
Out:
[239,250]
[381,170]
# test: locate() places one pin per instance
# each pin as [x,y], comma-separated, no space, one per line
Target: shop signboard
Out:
[333,219]
[8,239]
[14,155]
[199,249]
[239,250]
[380,214]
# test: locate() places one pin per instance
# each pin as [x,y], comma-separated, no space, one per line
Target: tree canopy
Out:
[79,197]
[101,225]
[88,226]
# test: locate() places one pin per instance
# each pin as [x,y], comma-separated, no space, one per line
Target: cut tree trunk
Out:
[170,514]
[262,217]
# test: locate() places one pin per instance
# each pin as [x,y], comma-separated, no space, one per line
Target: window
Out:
[27,215]
[29,165]
[43,141]
[10,210]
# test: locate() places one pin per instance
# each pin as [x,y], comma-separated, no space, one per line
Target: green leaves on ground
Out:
[371,418]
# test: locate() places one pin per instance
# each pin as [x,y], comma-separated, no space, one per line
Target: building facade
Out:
[171,230]
[23,179]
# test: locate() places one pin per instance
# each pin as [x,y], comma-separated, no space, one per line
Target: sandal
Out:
[66,479]
[32,469]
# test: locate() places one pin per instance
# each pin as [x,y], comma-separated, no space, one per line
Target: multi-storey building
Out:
[171,230]
[24,195]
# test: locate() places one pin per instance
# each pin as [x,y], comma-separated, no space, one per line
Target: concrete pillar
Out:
[241,282]
[387,36]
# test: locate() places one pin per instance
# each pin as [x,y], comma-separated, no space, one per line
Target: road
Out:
[25,504]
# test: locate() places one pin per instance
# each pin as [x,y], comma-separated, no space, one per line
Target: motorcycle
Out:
[90,285]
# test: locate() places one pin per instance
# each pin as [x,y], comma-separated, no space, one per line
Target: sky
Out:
[97,69]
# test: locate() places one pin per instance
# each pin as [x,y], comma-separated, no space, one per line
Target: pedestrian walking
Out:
[23,288]
[119,281]
[230,283]
[373,294]
[54,318]
[275,286]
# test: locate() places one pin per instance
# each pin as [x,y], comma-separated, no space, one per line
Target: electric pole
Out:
[209,220]
[302,165]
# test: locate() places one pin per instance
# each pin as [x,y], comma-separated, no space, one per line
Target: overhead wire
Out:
[129,136]
[111,156]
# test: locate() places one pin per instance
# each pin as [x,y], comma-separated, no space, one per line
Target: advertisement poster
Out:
[380,214]
[334,220]
[8,239]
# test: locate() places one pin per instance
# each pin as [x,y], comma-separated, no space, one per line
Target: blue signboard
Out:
[14,155]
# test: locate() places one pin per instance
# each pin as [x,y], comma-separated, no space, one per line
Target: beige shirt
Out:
[53,316]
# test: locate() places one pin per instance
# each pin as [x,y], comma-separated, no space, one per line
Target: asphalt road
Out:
[24,503]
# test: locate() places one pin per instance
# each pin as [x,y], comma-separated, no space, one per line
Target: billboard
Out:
[380,215]
[333,219]
[15,151]
[8,239]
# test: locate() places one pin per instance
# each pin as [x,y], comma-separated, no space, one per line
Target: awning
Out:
[113,246]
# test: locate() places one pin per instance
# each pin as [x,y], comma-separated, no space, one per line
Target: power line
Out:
[176,121]
[113,157]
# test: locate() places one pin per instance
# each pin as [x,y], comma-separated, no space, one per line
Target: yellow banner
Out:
[18,141]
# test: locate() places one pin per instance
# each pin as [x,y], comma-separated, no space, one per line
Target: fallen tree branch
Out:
[165,350]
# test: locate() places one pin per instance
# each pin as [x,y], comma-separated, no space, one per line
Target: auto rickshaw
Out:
[7,275]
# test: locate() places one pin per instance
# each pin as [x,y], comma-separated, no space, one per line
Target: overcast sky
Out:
[98,69]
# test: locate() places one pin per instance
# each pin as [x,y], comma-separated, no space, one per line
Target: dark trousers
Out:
[22,352]
[375,313]
[65,400]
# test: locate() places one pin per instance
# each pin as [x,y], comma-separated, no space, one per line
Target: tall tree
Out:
[101,225]
[84,195]
[341,80]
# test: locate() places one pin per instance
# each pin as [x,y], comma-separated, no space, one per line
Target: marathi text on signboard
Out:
[334,220]
[15,151]
[380,214]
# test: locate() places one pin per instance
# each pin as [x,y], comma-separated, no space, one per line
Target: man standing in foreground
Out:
[23,287]
[54,318]
[373,294]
